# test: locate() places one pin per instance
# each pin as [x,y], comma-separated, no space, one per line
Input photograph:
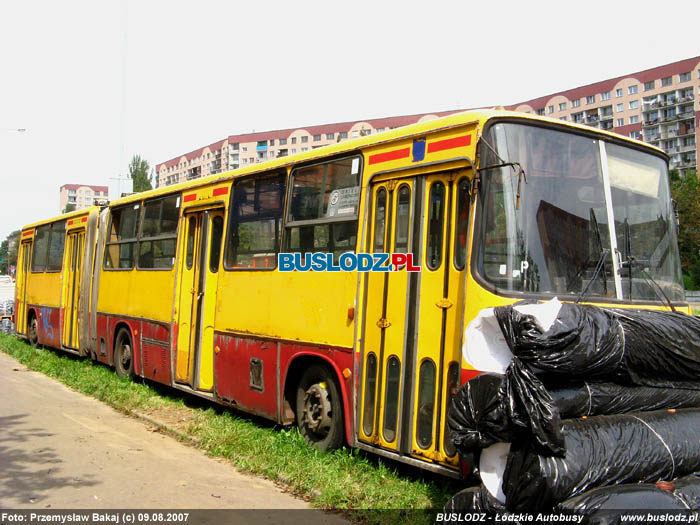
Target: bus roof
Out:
[71,214]
[479,116]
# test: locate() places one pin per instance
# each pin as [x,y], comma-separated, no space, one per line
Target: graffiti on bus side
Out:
[46,322]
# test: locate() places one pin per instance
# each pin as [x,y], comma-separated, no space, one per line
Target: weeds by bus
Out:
[180,285]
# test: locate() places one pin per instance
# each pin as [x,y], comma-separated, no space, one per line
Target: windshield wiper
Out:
[598,267]
[601,260]
[631,263]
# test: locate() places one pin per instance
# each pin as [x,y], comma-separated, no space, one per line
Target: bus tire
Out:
[33,331]
[123,354]
[319,409]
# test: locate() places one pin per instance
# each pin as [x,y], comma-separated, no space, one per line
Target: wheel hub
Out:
[317,409]
[126,356]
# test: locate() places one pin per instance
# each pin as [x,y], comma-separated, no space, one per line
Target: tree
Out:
[4,252]
[69,207]
[8,252]
[685,190]
[140,173]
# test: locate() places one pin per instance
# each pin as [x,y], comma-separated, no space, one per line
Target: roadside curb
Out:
[164,427]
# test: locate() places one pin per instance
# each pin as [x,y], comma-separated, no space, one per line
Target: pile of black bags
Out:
[597,407]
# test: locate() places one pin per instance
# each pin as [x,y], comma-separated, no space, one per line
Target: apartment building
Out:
[81,195]
[658,105]
[242,150]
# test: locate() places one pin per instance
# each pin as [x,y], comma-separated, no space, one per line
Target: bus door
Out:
[72,271]
[387,340]
[413,321]
[24,263]
[198,269]
[439,315]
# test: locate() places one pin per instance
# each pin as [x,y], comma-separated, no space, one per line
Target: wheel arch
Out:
[294,372]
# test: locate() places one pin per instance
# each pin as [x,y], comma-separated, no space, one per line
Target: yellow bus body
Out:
[163,295]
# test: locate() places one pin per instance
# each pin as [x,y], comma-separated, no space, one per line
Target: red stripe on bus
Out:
[390,155]
[456,142]
[190,197]
[70,222]
[27,233]
[84,219]
[220,191]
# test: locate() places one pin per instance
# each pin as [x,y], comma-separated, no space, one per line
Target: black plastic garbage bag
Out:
[661,348]
[474,499]
[584,341]
[603,451]
[629,347]
[607,505]
[591,399]
[639,347]
[478,415]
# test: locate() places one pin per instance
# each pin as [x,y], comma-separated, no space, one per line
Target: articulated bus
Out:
[182,284]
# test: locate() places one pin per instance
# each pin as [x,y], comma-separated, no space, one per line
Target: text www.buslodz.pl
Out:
[347,262]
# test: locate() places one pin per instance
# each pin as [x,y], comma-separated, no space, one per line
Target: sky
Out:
[95,82]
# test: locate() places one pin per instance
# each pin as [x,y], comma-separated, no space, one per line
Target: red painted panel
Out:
[28,233]
[103,333]
[190,197]
[220,191]
[456,142]
[232,373]
[49,320]
[156,357]
[390,155]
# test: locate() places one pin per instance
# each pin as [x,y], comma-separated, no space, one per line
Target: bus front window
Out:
[550,232]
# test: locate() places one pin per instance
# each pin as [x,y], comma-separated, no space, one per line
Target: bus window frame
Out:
[45,268]
[63,251]
[134,240]
[228,223]
[288,225]
[31,266]
[139,238]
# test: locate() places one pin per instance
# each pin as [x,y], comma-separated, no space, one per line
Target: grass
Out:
[346,479]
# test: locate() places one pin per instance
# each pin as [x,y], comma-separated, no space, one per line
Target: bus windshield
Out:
[582,214]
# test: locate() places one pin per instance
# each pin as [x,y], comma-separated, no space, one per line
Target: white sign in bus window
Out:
[343,201]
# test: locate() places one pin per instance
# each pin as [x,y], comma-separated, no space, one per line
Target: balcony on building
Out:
[194,173]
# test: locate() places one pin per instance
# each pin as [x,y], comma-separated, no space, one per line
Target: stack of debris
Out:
[580,409]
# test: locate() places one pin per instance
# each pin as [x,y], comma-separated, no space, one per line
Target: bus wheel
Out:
[33,332]
[319,411]
[123,354]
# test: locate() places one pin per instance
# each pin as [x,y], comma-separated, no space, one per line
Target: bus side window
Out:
[255,222]
[121,242]
[159,233]
[41,248]
[322,215]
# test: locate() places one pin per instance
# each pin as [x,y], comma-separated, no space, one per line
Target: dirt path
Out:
[60,449]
